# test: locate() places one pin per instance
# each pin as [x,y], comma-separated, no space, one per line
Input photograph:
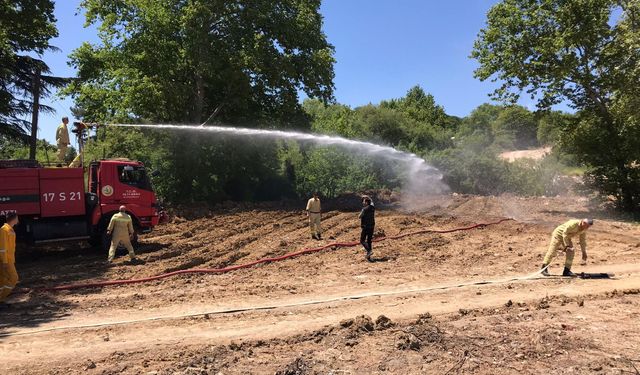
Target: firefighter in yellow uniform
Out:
[314,213]
[62,138]
[561,240]
[121,231]
[8,273]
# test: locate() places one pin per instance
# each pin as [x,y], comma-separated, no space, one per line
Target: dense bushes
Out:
[484,173]
[465,150]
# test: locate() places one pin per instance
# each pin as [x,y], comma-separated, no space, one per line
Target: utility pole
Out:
[34,116]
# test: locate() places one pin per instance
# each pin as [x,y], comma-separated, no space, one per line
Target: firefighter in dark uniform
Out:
[367,223]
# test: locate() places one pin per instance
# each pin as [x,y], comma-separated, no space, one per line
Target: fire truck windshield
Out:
[134,176]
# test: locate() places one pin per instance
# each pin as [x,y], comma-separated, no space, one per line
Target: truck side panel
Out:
[19,191]
[62,192]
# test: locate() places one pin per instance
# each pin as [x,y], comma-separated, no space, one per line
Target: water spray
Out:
[421,178]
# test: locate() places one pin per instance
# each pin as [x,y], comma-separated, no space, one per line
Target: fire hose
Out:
[335,245]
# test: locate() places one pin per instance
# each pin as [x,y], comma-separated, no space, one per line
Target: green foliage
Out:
[511,127]
[414,122]
[45,152]
[466,153]
[383,125]
[586,139]
[551,126]
[336,119]
[177,61]
[471,172]
[582,51]
[420,107]
[26,26]
[173,61]
[195,167]
[480,121]
[515,128]
[330,171]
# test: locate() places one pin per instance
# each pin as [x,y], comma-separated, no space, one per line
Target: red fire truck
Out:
[53,204]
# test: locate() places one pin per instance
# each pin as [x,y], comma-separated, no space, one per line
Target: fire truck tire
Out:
[95,241]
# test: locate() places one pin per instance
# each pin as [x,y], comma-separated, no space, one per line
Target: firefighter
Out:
[561,240]
[367,224]
[62,137]
[8,273]
[121,231]
[314,213]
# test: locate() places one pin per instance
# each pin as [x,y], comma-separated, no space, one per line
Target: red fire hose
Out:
[98,284]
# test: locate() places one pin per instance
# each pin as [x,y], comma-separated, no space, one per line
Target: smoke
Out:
[420,180]
[514,210]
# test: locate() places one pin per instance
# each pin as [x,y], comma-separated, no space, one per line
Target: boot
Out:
[368,255]
[567,272]
[545,270]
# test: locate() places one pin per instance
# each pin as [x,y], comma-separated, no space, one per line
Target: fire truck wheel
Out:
[95,241]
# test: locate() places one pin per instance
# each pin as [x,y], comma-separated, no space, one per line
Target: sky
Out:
[382,49]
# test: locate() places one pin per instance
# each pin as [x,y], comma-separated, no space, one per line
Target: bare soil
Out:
[333,312]
[535,154]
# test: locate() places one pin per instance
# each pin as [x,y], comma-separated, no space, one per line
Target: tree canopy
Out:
[173,61]
[26,27]
[584,52]
[182,61]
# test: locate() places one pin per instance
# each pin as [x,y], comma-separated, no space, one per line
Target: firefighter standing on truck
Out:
[314,213]
[561,240]
[8,273]
[121,231]
[62,138]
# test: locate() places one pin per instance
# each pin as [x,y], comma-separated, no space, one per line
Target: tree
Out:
[337,119]
[175,61]
[479,123]
[182,61]
[581,51]
[26,26]
[550,127]
[419,106]
[382,125]
[516,127]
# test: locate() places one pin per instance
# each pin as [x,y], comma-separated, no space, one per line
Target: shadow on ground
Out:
[65,264]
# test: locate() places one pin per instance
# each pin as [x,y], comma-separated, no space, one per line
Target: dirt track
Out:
[535,154]
[527,326]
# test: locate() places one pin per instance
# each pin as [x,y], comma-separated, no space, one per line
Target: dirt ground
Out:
[332,312]
[535,154]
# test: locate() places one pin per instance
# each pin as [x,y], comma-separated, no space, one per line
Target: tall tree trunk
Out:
[626,189]
[199,104]
[33,142]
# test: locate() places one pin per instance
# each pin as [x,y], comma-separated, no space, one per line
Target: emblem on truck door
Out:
[107,190]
